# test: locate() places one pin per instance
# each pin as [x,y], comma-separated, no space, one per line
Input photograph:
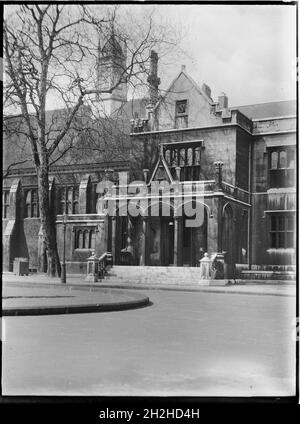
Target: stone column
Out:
[178,222]
[113,237]
[143,259]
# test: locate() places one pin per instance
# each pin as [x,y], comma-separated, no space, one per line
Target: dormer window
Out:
[181,114]
[181,107]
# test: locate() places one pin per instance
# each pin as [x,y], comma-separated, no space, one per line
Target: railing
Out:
[236,192]
[105,262]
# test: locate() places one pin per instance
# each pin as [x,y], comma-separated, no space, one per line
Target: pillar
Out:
[178,230]
[143,259]
[113,237]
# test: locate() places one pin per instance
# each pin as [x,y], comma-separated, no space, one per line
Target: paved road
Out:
[185,344]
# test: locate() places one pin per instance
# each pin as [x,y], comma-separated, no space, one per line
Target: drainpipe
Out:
[251,207]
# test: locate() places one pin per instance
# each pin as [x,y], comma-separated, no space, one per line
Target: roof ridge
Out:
[265,103]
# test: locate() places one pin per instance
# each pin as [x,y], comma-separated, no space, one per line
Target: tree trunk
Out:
[47,222]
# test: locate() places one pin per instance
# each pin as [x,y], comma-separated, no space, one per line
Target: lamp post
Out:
[63,266]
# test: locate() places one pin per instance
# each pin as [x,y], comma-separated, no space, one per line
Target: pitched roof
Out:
[269,110]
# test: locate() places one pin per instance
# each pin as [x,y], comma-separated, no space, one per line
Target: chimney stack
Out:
[223,101]
[153,79]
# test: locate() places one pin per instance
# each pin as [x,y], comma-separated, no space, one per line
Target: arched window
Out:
[274,160]
[69,200]
[168,157]
[189,156]
[282,159]
[28,204]
[197,159]
[32,204]
[182,157]
[79,240]
[86,239]
[92,239]
[75,200]
[62,200]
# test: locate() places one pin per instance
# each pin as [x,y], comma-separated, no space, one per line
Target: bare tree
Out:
[51,53]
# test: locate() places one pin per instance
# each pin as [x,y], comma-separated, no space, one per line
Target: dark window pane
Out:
[281,239]
[75,208]
[290,222]
[281,222]
[273,240]
[273,223]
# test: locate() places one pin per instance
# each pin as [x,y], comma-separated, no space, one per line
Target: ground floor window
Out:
[85,238]
[282,230]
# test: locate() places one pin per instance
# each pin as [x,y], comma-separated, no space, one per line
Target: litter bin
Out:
[21,266]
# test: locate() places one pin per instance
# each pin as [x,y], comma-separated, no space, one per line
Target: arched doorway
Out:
[194,241]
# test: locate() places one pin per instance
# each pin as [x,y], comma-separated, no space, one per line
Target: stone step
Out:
[268,275]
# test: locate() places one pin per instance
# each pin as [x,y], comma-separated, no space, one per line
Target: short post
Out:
[63,265]
[92,268]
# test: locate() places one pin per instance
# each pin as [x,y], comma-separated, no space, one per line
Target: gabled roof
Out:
[269,110]
[162,168]
[183,72]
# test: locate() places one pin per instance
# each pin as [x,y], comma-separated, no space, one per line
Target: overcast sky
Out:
[247,51]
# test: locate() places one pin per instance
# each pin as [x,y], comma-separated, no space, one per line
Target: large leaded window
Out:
[281,167]
[187,157]
[282,230]
[68,200]
[32,203]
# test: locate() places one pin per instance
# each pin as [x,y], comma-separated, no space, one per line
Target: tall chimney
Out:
[153,79]
[223,101]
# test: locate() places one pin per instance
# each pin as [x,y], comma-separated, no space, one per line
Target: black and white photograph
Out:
[149,202]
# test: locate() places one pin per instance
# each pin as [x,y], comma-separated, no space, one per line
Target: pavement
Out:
[183,344]
[257,287]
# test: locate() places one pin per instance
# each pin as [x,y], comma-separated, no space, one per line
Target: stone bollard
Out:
[205,264]
[92,268]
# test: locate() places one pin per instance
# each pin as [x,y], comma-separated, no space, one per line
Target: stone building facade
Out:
[233,166]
